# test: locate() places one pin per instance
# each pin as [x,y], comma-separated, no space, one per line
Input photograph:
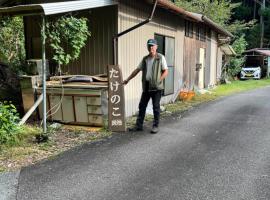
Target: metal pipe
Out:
[43,35]
[31,110]
[115,39]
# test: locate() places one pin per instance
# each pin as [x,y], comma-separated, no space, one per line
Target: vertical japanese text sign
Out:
[116,100]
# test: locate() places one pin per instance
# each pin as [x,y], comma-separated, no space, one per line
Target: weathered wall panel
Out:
[191,58]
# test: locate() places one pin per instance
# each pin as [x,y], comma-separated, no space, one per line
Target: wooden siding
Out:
[97,53]
[132,47]
[212,69]
[191,58]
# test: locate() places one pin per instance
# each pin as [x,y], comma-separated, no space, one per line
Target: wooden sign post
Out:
[116,104]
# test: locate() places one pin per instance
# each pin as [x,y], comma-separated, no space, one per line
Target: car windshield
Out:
[250,66]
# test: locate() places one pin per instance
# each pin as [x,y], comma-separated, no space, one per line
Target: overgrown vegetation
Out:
[9,128]
[235,64]
[12,49]
[67,36]
[249,14]
[11,133]
[238,16]
[217,10]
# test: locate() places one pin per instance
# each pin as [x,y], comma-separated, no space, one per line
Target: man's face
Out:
[152,49]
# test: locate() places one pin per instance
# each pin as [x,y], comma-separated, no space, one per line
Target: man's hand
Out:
[164,74]
[125,82]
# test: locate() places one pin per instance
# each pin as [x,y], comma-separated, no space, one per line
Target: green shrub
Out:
[12,42]
[8,123]
[236,63]
[67,36]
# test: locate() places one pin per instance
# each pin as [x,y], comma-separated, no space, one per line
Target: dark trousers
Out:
[155,96]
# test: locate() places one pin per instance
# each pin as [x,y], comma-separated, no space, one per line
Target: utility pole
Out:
[262,24]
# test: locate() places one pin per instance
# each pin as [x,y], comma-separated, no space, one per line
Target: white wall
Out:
[213,59]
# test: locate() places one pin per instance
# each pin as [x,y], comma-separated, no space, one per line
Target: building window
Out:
[197,32]
[188,29]
[203,33]
[166,46]
[200,33]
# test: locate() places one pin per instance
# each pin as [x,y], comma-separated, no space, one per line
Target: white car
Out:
[249,72]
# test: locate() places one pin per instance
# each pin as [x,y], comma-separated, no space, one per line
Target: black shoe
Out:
[135,129]
[154,130]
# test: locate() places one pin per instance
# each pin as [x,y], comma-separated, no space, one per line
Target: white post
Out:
[43,36]
[31,110]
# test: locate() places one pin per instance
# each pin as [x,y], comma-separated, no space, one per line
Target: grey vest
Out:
[154,83]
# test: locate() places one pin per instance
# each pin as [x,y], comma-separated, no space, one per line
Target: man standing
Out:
[154,70]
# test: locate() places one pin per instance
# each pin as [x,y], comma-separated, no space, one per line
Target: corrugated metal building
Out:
[189,42]
[186,40]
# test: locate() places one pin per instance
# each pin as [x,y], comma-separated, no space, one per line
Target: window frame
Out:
[170,67]
[189,27]
[201,32]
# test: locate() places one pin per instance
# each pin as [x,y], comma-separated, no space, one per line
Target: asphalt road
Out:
[220,150]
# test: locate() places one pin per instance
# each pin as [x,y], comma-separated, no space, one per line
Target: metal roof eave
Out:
[228,50]
[258,51]
[191,16]
[55,8]
[211,23]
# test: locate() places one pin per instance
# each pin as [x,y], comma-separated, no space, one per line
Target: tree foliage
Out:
[238,28]
[248,12]
[67,36]
[239,46]
[12,49]
[266,14]
[217,10]
[230,14]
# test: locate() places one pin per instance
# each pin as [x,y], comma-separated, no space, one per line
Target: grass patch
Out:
[219,91]
[240,86]
[61,138]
